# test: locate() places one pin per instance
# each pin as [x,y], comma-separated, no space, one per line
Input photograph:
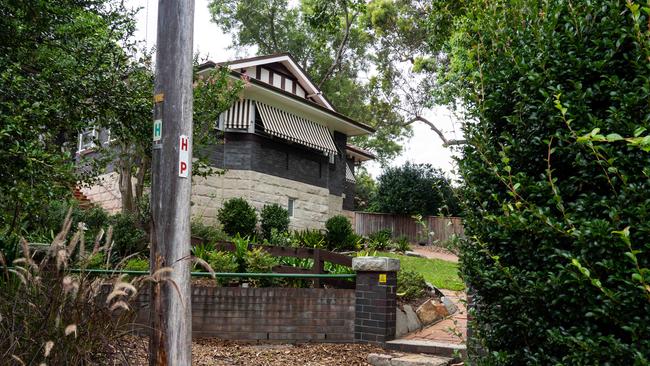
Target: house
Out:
[282,142]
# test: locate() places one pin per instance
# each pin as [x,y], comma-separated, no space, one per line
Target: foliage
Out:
[415,188]
[222,261]
[402,244]
[331,40]
[310,238]
[339,233]
[237,217]
[210,234]
[202,251]
[214,92]
[365,189]
[59,62]
[137,264]
[440,273]
[274,217]
[410,285]
[50,315]
[95,261]
[557,222]
[259,261]
[241,248]
[380,240]
[128,237]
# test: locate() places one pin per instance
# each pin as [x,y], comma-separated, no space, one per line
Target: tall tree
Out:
[330,39]
[57,62]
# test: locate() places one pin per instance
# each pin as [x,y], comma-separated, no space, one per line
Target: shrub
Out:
[274,217]
[210,234]
[556,173]
[339,233]
[380,240]
[238,217]
[128,237]
[137,264]
[410,285]
[95,261]
[402,244]
[46,308]
[259,261]
[222,261]
[310,238]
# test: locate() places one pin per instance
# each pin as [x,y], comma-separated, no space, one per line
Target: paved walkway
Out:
[430,251]
[451,330]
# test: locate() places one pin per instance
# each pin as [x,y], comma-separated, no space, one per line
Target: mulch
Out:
[213,352]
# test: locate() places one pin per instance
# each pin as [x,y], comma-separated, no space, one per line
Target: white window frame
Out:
[89,145]
[291,206]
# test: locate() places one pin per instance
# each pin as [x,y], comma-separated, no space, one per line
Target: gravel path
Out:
[213,352]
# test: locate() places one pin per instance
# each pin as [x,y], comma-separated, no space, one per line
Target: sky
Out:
[210,42]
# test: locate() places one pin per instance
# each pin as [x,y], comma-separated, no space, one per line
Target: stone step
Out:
[440,349]
[377,359]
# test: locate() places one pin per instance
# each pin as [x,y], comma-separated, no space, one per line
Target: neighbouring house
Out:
[282,142]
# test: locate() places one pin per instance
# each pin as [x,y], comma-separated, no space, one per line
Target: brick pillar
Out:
[376,302]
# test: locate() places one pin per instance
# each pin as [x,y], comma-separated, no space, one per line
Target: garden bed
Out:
[213,351]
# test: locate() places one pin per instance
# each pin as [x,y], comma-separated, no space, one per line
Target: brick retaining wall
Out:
[275,314]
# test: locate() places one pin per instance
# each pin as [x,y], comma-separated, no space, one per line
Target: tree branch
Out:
[339,51]
[445,142]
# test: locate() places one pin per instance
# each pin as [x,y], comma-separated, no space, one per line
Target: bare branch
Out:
[339,51]
[445,142]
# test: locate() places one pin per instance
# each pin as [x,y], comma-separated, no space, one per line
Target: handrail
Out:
[217,274]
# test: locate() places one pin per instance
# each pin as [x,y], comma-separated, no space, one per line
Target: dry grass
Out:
[51,316]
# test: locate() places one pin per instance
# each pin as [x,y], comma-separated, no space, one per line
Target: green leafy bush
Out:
[556,180]
[222,261]
[137,264]
[410,285]
[380,240]
[274,217]
[339,233]
[310,238]
[259,261]
[238,217]
[402,244]
[95,261]
[210,234]
[128,237]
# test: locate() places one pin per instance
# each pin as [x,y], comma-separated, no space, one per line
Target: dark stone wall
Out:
[280,158]
[337,170]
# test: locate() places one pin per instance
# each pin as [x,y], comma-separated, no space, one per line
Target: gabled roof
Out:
[287,61]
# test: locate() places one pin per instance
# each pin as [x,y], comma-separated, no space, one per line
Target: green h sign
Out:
[157,130]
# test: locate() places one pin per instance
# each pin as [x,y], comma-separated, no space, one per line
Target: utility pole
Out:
[170,342]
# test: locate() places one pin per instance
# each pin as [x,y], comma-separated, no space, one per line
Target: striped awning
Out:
[297,129]
[349,176]
[238,116]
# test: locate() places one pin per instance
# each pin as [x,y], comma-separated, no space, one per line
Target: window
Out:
[87,139]
[290,205]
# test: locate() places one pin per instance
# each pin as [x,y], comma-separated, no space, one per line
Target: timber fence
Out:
[443,228]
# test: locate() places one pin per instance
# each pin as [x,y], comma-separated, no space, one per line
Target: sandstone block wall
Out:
[313,205]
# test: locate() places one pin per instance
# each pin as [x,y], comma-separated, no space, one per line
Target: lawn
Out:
[439,273]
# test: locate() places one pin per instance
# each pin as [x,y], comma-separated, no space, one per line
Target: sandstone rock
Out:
[429,313]
[375,264]
[451,307]
[420,360]
[401,323]
[377,359]
[413,322]
[413,254]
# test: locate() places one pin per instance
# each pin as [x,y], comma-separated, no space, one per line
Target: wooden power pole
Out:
[171,313]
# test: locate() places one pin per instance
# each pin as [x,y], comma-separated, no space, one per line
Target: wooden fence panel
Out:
[443,228]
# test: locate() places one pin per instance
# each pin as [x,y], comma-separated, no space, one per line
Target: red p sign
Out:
[183,156]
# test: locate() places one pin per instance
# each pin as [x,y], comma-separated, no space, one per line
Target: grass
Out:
[442,274]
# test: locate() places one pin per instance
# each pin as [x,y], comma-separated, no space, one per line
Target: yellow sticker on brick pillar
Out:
[382,278]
